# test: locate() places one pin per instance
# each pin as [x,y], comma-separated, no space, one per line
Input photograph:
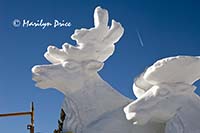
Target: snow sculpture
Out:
[165,93]
[91,105]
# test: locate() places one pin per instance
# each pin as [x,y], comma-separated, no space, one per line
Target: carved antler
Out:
[92,44]
[168,70]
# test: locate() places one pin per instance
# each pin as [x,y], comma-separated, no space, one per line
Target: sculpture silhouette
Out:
[166,95]
[91,105]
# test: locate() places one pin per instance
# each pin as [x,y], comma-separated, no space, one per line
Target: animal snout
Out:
[36,69]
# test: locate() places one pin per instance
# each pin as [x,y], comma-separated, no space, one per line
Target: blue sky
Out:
[167,28]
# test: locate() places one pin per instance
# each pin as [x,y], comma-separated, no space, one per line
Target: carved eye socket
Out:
[72,66]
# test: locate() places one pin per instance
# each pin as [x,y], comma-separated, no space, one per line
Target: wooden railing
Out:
[31,113]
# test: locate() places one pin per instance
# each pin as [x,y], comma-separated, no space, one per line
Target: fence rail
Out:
[31,113]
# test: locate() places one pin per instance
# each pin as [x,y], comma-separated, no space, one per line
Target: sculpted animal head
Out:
[159,103]
[163,89]
[73,65]
[68,73]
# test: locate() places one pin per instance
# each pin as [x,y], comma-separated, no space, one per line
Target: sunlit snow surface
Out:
[165,93]
[91,104]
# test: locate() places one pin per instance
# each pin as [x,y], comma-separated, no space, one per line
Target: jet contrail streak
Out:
[140,38]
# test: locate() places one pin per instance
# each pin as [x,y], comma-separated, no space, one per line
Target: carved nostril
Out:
[36,69]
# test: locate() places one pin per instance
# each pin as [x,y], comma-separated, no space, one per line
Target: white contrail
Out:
[140,38]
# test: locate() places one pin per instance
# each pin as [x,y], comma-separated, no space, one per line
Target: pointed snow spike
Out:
[100,17]
[115,32]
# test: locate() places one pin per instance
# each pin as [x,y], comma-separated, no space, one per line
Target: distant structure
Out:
[31,113]
[91,105]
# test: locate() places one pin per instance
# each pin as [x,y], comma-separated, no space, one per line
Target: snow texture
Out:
[91,104]
[165,93]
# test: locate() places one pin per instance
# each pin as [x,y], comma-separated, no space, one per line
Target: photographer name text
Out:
[25,23]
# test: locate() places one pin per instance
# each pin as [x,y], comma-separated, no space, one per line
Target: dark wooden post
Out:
[31,126]
[31,113]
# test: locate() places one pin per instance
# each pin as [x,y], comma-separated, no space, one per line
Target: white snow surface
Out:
[91,104]
[183,69]
[165,93]
[165,90]
[96,43]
